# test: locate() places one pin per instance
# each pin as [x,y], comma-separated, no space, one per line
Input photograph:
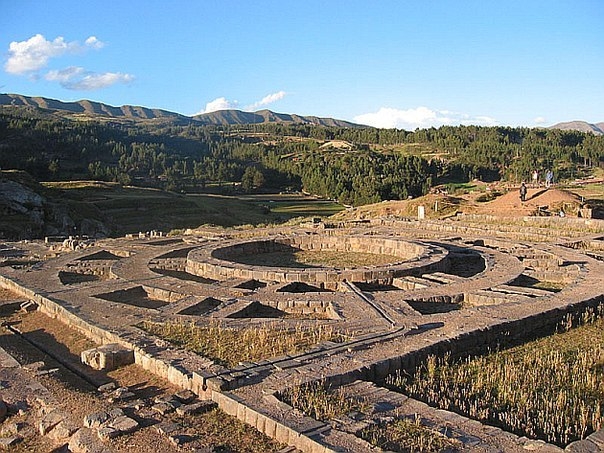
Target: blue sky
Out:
[402,63]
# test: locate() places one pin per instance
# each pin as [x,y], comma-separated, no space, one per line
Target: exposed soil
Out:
[547,200]
[538,200]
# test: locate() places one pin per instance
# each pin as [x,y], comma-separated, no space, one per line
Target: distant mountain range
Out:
[583,126]
[136,113]
[219,118]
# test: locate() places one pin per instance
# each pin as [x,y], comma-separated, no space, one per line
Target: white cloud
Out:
[26,57]
[94,43]
[268,99]
[420,117]
[76,78]
[223,103]
[219,104]
[64,75]
[540,120]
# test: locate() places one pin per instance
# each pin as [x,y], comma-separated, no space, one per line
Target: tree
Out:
[252,179]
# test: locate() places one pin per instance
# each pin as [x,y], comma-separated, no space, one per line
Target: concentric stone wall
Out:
[220,262]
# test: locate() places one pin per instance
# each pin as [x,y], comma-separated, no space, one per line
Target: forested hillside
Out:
[353,165]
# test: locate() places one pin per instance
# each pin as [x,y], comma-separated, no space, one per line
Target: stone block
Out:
[282,433]
[108,357]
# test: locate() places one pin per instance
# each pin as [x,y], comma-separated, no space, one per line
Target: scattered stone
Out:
[96,419]
[169,399]
[124,424]
[121,394]
[163,408]
[137,404]
[185,396]
[106,388]
[196,408]
[116,412]
[84,441]
[167,428]
[49,421]
[107,432]
[63,431]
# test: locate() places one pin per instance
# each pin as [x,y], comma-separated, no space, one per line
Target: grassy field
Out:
[551,389]
[134,209]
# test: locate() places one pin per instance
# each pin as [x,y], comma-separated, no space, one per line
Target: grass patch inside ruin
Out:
[324,403]
[405,435]
[321,402]
[318,258]
[551,389]
[229,346]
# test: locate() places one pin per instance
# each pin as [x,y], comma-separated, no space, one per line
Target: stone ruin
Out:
[445,287]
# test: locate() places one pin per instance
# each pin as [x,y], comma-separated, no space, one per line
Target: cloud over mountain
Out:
[223,103]
[266,100]
[217,104]
[420,117]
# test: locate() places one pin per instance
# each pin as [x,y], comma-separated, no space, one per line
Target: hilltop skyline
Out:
[394,64]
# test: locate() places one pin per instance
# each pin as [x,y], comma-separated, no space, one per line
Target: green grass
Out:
[551,389]
[134,209]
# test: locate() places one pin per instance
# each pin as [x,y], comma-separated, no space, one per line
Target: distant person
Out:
[523,191]
[549,178]
[535,178]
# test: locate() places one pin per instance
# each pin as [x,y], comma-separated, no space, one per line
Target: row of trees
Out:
[381,164]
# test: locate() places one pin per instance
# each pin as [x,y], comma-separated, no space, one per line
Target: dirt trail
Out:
[509,204]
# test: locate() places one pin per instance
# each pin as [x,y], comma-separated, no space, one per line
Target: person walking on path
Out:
[523,191]
[549,178]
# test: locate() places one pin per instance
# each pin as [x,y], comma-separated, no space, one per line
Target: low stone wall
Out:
[266,425]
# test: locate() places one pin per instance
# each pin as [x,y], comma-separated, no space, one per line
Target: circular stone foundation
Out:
[232,259]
